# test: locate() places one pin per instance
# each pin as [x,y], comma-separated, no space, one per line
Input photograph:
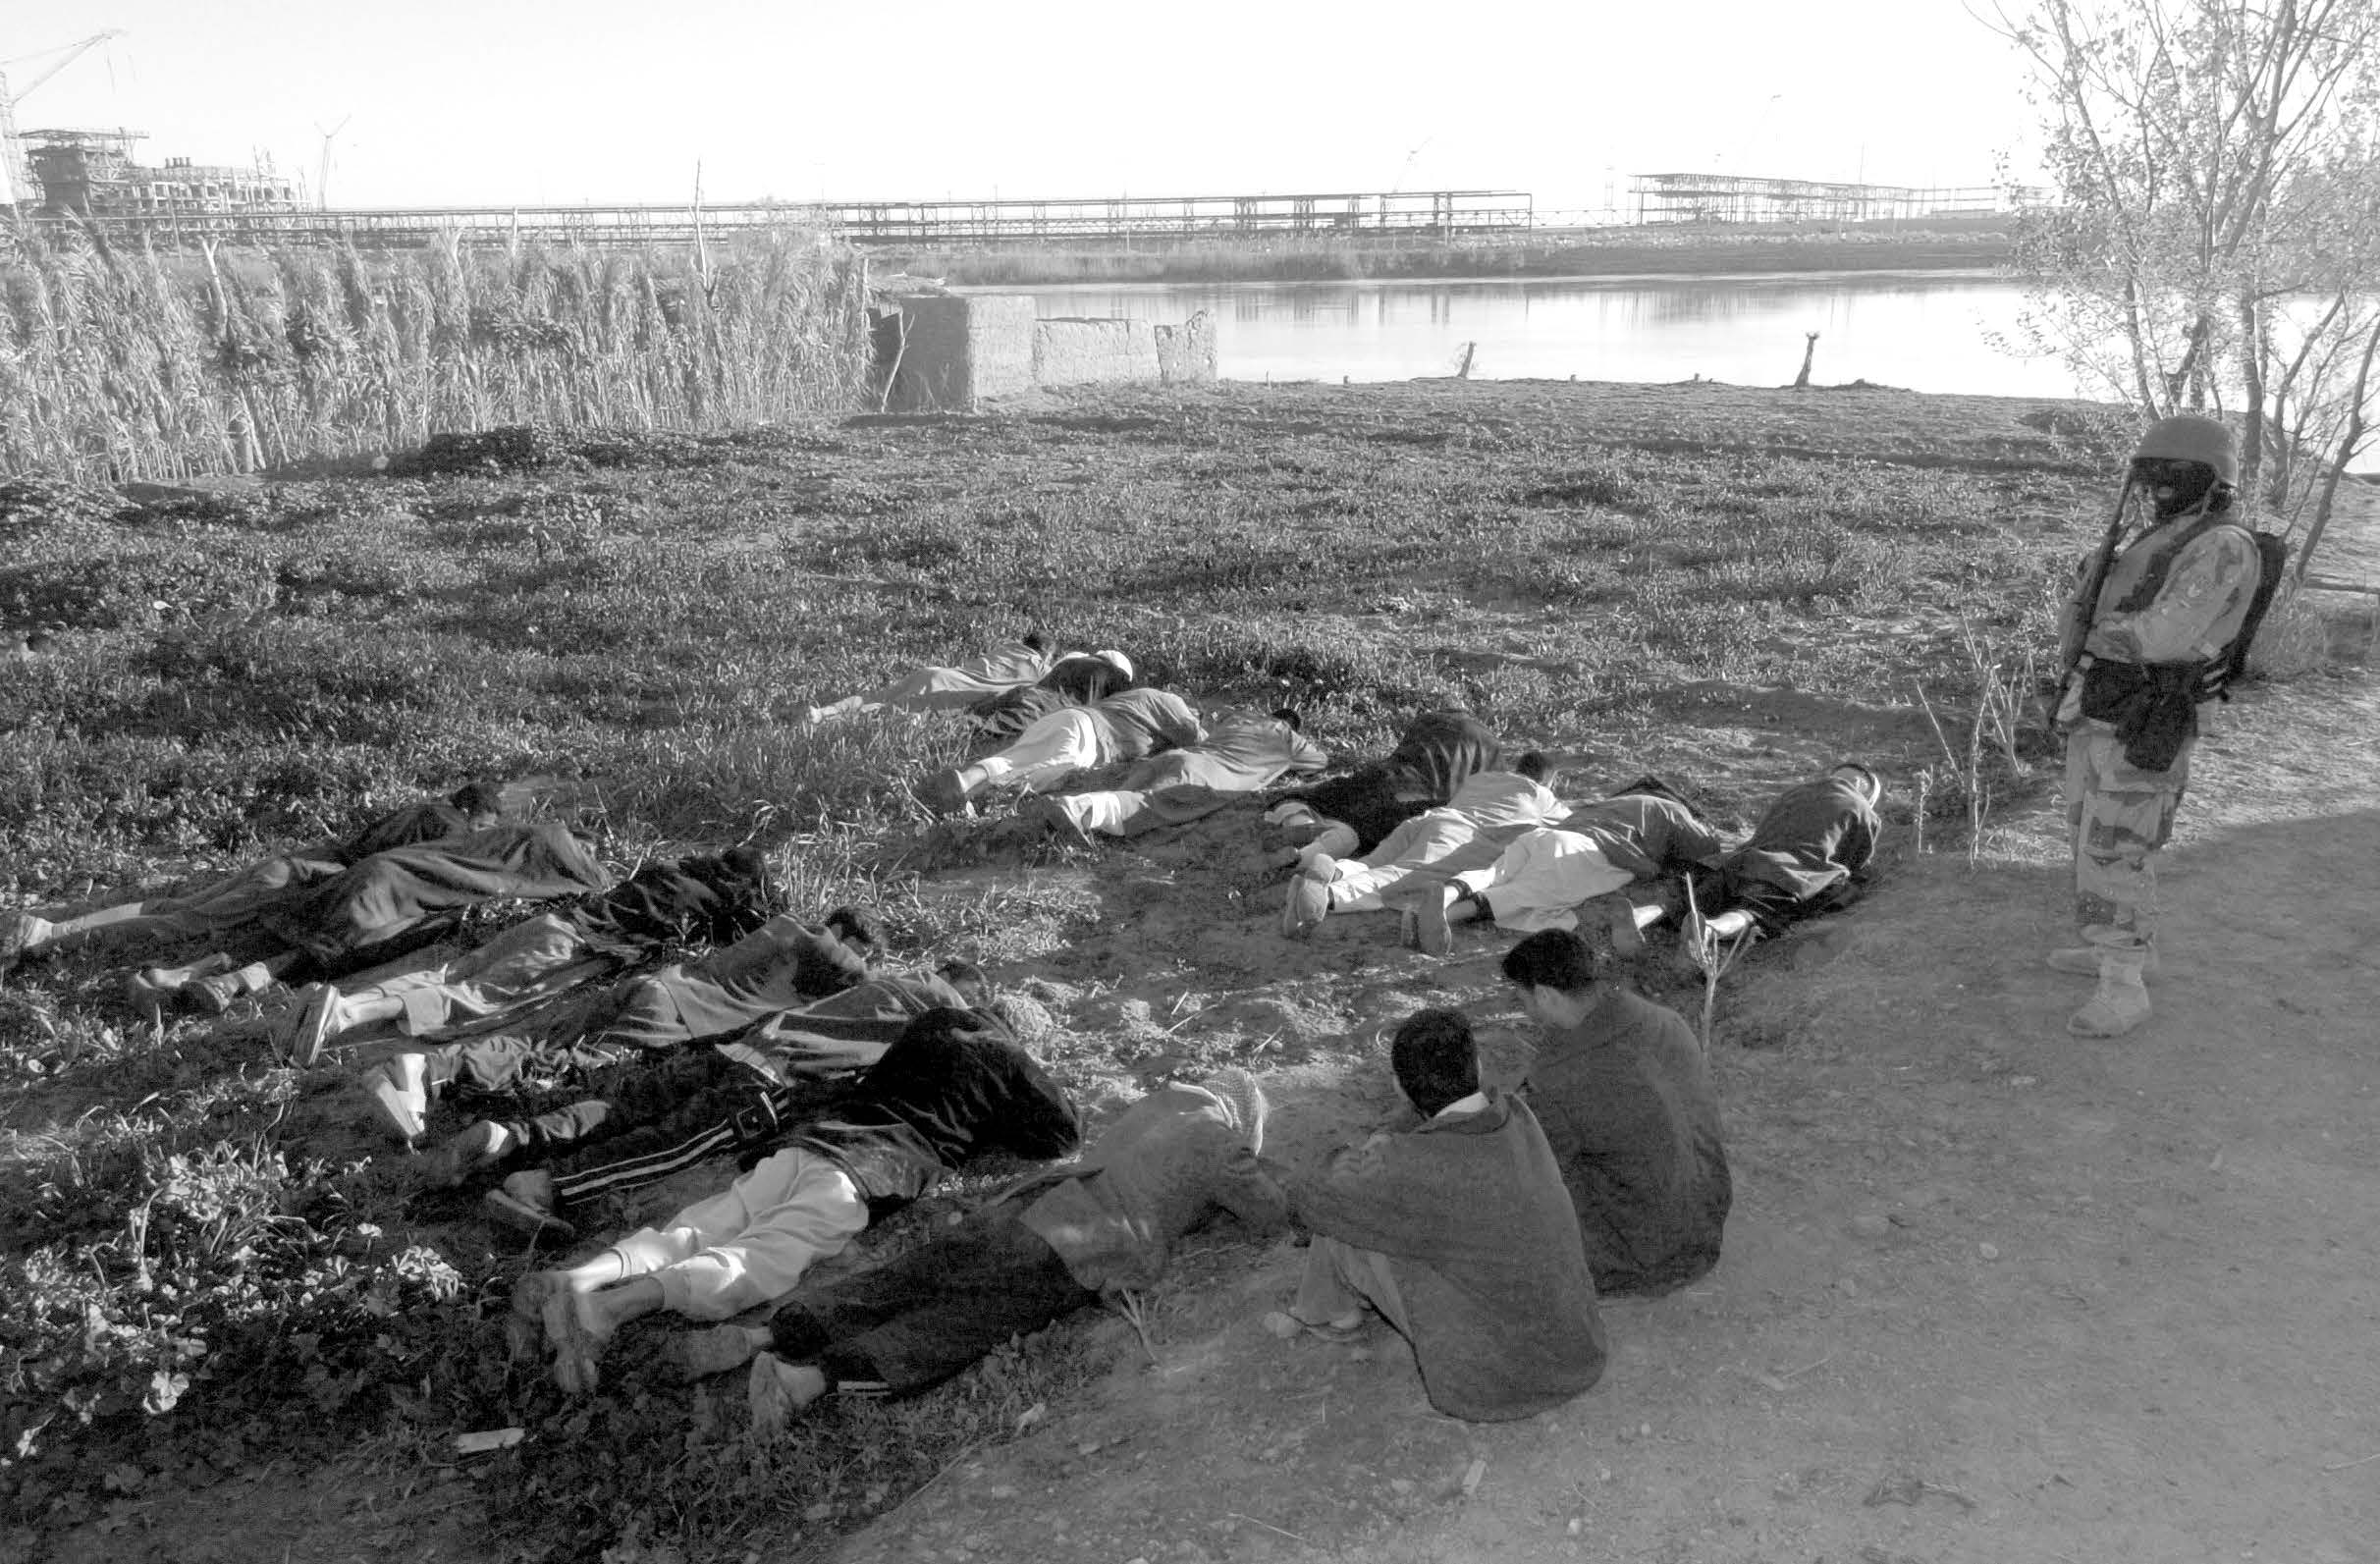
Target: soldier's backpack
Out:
[2215,680]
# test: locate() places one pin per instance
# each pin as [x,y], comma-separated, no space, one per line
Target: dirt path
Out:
[1989,1293]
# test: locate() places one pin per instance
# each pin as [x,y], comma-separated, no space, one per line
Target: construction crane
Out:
[16,170]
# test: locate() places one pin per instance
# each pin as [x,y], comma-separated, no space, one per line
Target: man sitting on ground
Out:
[1050,1244]
[1121,728]
[1620,1086]
[1543,878]
[955,1086]
[702,899]
[1242,753]
[1344,816]
[222,907]
[1488,810]
[1013,665]
[1459,1234]
[1802,860]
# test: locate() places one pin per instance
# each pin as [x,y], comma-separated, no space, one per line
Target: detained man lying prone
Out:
[1242,753]
[1127,726]
[1050,1244]
[955,1085]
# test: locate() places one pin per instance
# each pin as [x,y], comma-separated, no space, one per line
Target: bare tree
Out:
[2214,242]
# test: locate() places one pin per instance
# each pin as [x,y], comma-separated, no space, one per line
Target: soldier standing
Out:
[2147,623]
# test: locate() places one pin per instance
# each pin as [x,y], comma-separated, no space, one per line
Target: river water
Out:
[1924,330]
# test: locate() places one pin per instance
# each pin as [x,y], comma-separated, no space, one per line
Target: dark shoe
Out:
[17,933]
[1619,916]
[944,793]
[1053,818]
[210,996]
[454,1160]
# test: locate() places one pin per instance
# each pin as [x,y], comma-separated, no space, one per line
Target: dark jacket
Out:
[1627,1105]
[1438,753]
[1483,1247]
[1811,841]
[956,1083]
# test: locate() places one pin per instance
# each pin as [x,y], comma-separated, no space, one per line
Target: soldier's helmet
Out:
[2188,437]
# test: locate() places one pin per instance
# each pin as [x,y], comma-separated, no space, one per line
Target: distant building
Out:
[95,173]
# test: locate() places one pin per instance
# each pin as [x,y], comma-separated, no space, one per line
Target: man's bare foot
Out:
[699,1354]
[779,1389]
[576,1332]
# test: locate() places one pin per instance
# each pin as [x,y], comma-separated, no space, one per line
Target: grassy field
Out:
[204,1271]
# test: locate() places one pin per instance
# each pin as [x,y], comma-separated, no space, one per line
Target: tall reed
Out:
[118,365]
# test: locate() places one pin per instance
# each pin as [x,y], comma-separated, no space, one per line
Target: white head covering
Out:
[1123,664]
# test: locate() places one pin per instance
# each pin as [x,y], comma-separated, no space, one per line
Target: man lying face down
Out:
[1591,857]
[953,1086]
[643,1021]
[1458,1233]
[1010,665]
[1050,1244]
[217,909]
[700,899]
[1243,752]
[1488,809]
[1121,727]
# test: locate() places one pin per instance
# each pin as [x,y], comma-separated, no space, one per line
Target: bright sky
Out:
[451,101]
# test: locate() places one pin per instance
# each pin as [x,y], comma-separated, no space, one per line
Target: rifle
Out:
[2086,606]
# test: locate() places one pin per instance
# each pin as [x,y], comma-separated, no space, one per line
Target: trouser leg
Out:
[2120,817]
[751,1243]
[1341,1278]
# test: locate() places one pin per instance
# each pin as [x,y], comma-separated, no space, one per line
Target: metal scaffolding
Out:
[1362,214]
[1740,199]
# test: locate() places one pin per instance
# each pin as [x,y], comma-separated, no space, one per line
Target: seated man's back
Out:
[1627,1105]
[1621,1087]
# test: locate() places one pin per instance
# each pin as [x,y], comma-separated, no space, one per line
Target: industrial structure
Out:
[1740,199]
[17,183]
[94,174]
[1424,214]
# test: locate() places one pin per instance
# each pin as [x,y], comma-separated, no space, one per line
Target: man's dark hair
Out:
[967,977]
[482,797]
[1038,640]
[1553,958]
[1534,765]
[860,927]
[1873,781]
[1434,1060]
[1284,714]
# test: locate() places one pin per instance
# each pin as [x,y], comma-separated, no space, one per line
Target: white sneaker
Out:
[397,1093]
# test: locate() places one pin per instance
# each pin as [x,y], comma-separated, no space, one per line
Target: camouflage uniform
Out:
[2120,814]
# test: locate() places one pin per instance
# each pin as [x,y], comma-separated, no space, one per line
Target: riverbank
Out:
[1598,252]
[249,1334]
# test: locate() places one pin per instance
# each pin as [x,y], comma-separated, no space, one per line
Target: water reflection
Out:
[1924,332]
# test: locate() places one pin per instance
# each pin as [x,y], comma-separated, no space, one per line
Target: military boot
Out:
[2120,1003]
